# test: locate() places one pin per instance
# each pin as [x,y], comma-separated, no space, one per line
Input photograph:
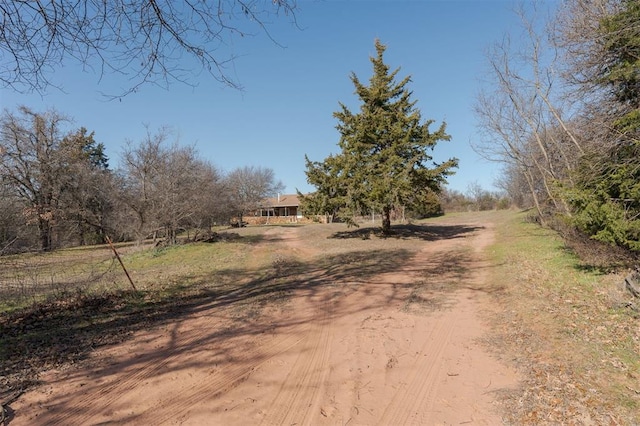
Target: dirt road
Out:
[386,337]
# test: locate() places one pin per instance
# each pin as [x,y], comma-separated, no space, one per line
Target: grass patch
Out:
[61,310]
[568,330]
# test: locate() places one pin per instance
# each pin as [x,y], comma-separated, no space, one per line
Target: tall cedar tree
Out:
[384,162]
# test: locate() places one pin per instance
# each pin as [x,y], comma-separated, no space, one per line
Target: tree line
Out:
[561,112]
[57,188]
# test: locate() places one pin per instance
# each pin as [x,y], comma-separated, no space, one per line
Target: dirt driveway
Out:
[377,331]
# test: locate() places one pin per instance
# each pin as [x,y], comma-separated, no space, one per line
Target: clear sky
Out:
[291,91]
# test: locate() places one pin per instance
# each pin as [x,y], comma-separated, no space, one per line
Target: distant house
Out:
[285,208]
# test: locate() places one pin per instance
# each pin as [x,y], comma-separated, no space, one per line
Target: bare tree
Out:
[210,198]
[14,234]
[167,187]
[577,32]
[53,174]
[181,190]
[522,116]
[250,185]
[31,163]
[480,198]
[148,41]
[142,166]
[505,139]
[600,59]
[88,197]
[515,186]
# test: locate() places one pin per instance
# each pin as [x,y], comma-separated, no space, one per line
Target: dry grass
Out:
[30,278]
[568,329]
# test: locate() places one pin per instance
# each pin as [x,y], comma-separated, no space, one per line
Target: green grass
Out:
[31,278]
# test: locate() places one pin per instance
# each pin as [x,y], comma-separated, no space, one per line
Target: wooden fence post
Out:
[121,263]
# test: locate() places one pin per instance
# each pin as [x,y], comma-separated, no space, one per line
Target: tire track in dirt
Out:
[92,405]
[300,392]
[220,384]
[309,363]
[85,407]
[413,402]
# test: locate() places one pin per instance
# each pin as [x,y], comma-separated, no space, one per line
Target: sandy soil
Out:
[402,346]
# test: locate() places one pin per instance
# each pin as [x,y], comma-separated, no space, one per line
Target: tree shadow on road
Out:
[67,331]
[411,231]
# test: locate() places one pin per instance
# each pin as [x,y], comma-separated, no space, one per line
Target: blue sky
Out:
[290,92]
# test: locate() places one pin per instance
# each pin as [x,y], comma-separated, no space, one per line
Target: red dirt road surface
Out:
[378,340]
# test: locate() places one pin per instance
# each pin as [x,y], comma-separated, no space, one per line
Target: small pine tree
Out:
[384,161]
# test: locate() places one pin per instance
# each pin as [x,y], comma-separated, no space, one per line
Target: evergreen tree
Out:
[620,34]
[384,161]
[606,196]
[87,199]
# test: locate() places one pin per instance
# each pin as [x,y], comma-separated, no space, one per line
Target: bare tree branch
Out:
[148,41]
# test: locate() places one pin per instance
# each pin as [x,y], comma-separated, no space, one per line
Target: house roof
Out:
[282,200]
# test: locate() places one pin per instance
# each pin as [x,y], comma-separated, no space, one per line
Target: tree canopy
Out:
[606,197]
[384,161]
[619,66]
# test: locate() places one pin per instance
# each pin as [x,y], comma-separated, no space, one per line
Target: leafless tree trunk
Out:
[141,166]
[578,33]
